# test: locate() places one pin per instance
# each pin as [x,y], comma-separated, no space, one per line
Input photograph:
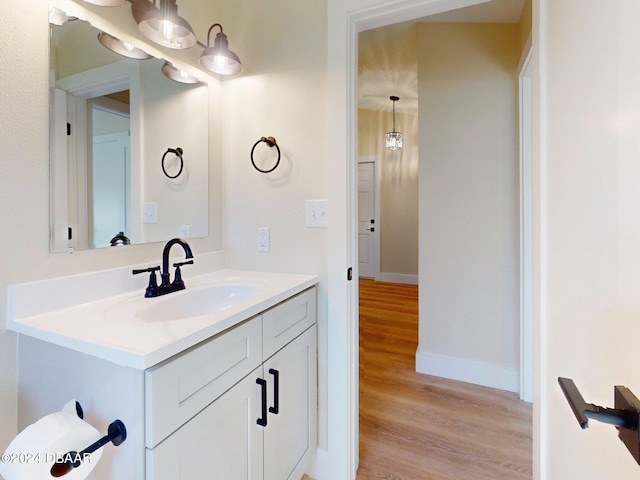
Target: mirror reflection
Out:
[112,120]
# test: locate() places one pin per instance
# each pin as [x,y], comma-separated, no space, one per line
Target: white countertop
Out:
[109,328]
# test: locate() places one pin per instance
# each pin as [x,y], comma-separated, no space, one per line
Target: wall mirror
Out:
[112,120]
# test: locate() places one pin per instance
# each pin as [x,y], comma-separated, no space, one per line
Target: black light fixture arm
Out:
[209,32]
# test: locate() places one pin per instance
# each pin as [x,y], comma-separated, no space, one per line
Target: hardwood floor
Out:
[418,427]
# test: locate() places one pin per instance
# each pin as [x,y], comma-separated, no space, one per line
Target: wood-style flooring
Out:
[418,427]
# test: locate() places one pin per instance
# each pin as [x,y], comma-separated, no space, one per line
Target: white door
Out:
[110,187]
[366,220]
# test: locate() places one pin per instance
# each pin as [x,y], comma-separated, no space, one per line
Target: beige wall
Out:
[398,188]
[469,201]
[525,25]
[280,93]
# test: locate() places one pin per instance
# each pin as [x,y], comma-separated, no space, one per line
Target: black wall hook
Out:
[625,416]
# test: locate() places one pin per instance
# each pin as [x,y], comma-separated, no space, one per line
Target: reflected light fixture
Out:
[59,17]
[219,59]
[177,75]
[394,139]
[121,47]
[106,3]
[165,27]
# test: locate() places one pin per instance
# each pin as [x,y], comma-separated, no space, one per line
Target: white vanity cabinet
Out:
[241,406]
[290,435]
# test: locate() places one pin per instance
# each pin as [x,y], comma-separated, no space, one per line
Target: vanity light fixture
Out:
[106,3]
[172,72]
[394,139]
[219,59]
[121,47]
[165,27]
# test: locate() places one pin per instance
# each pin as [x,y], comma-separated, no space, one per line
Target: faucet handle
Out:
[179,264]
[152,288]
[177,277]
[143,270]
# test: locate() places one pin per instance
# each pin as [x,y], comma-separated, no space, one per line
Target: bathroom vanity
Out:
[227,391]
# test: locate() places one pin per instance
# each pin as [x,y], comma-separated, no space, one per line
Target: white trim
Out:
[525,57]
[339,460]
[58,186]
[467,371]
[398,278]
[526,228]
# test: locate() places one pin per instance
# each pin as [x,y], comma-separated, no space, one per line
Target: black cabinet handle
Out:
[276,391]
[262,421]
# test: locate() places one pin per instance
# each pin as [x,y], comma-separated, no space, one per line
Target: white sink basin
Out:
[195,301]
[130,330]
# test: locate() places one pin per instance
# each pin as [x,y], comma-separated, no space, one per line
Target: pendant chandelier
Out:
[394,139]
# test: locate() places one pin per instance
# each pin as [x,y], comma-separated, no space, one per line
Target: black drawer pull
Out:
[262,421]
[276,391]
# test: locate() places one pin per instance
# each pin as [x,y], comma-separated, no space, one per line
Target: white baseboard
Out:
[398,278]
[468,371]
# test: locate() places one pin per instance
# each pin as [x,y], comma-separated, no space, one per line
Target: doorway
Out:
[346,20]
[513,380]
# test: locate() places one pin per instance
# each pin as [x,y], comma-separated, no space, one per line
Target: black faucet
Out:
[166,286]
[121,238]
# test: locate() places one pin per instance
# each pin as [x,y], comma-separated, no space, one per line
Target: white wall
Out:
[468,203]
[24,169]
[280,93]
[177,114]
[590,226]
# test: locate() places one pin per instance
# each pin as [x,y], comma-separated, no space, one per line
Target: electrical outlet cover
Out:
[263,239]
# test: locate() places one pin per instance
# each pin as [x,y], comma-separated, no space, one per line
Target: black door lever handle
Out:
[584,411]
[625,416]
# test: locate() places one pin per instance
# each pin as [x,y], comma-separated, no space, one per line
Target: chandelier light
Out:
[394,139]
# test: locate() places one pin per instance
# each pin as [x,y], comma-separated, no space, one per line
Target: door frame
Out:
[526,223]
[338,456]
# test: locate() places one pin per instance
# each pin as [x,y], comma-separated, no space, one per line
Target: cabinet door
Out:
[290,437]
[221,442]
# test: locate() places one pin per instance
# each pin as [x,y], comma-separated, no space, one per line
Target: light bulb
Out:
[220,62]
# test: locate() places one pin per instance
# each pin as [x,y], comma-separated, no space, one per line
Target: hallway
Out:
[418,427]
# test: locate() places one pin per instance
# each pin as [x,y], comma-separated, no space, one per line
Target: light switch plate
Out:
[150,212]
[316,214]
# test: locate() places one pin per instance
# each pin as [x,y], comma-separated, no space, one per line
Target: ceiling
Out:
[496,11]
[387,56]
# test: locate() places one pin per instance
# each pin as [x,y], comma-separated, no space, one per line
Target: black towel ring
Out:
[272,143]
[178,153]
